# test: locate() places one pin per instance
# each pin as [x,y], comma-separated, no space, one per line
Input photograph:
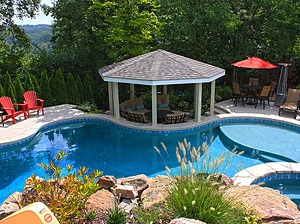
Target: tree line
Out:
[87,35]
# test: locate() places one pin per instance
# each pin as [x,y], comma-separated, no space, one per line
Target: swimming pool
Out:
[116,151]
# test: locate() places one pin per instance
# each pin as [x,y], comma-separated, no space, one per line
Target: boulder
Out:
[160,181]
[128,205]
[107,182]
[139,182]
[269,203]
[10,205]
[124,191]
[186,221]
[153,196]
[102,200]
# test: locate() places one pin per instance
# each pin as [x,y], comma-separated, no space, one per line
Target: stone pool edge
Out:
[261,172]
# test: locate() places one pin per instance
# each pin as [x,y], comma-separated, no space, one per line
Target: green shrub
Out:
[1,91]
[225,92]
[87,107]
[35,84]
[155,214]
[79,85]
[116,215]
[73,92]
[65,194]
[8,83]
[88,94]
[199,192]
[147,100]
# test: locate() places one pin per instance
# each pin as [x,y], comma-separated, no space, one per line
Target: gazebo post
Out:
[116,100]
[165,90]
[198,101]
[212,97]
[131,91]
[110,99]
[154,105]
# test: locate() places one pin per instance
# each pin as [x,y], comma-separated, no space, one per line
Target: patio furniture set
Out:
[135,111]
[30,103]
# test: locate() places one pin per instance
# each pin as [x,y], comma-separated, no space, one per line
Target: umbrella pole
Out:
[234,78]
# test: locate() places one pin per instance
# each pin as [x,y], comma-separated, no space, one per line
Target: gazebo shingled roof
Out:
[160,67]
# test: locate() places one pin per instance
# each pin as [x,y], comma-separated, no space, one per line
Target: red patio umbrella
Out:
[254,63]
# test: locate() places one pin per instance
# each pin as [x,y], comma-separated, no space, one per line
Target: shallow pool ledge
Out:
[27,129]
[263,172]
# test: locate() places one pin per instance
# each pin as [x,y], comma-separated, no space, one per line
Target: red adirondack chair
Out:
[8,106]
[31,101]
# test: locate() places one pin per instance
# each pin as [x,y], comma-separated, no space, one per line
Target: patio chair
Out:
[31,101]
[8,106]
[237,94]
[175,118]
[291,102]
[163,102]
[138,117]
[264,95]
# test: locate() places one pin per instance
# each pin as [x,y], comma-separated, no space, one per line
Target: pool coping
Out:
[261,173]
[27,129]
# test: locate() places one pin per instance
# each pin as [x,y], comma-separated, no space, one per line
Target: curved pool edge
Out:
[251,174]
[26,130]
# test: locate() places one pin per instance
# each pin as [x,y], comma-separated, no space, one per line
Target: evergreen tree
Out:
[1,90]
[28,86]
[79,85]
[52,86]
[87,89]
[45,92]
[10,93]
[19,90]
[35,84]
[72,90]
[61,92]
[8,83]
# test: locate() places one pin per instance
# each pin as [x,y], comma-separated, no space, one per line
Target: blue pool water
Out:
[118,151]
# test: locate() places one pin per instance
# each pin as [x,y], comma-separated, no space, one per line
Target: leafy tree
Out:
[19,90]
[7,84]
[61,93]
[45,93]
[28,86]
[52,87]
[87,89]
[79,85]
[73,92]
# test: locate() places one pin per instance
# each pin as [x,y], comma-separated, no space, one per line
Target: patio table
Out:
[251,91]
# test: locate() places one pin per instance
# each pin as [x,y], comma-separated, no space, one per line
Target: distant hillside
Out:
[40,35]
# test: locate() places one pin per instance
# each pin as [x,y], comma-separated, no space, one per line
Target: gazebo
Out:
[158,68]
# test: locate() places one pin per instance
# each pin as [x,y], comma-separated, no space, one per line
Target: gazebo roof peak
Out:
[160,67]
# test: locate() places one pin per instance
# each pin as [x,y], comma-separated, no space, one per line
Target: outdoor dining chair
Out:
[264,95]
[237,94]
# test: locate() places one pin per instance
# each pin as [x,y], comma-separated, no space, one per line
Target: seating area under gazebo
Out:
[158,68]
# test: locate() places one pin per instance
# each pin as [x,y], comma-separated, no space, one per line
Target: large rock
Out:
[160,181]
[10,205]
[107,182]
[102,200]
[153,196]
[186,221]
[124,191]
[139,182]
[269,203]
[128,205]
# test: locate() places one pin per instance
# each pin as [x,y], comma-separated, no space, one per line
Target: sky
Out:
[41,18]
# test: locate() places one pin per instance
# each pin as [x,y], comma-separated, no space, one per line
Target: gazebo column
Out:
[198,101]
[212,97]
[131,91]
[110,99]
[165,90]
[116,100]
[154,105]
